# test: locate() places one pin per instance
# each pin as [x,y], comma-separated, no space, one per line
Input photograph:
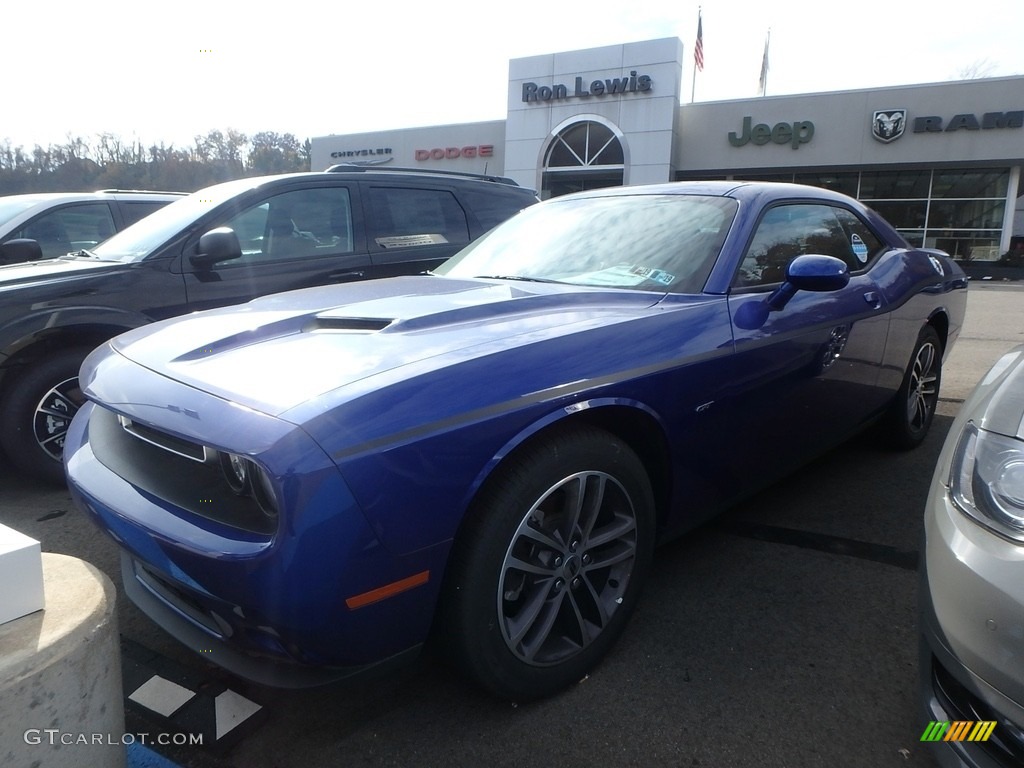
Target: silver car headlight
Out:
[986,480]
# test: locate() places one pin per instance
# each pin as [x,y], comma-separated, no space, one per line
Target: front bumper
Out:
[273,607]
[972,635]
[200,630]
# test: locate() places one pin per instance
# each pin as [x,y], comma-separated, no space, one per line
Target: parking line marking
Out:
[232,709]
[162,696]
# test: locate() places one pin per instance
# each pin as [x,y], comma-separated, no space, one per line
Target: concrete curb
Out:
[60,674]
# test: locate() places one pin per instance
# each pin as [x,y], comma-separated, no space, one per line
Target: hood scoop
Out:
[350,324]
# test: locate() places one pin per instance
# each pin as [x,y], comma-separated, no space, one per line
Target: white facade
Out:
[645,119]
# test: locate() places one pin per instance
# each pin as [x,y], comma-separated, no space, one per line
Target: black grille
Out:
[172,475]
[1006,745]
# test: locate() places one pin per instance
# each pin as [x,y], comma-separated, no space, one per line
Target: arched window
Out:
[582,155]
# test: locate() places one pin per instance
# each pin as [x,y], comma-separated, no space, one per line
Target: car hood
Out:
[49,270]
[280,351]
[997,403]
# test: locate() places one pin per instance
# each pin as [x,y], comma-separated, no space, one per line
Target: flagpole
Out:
[698,54]
[764,64]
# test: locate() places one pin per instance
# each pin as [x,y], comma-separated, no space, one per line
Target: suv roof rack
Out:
[140,191]
[346,167]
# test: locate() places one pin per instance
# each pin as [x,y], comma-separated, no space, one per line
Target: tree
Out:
[110,162]
[276,153]
[977,70]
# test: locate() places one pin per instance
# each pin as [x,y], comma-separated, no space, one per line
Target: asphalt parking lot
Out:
[782,634]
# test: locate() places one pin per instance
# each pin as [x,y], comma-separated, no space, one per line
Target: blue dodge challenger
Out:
[317,483]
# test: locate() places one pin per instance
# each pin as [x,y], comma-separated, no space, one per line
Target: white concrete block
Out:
[21,573]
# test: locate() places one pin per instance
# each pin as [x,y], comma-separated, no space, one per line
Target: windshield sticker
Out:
[860,250]
[408,241]
[626,275]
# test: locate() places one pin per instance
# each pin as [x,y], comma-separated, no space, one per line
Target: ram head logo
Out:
[888,124]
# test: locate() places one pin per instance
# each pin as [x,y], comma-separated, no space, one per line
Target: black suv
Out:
[60,222]
[222,245]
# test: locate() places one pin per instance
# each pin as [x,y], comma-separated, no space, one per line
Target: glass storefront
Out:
[958,211]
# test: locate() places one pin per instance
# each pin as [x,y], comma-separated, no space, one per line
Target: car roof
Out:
[497,184]
[52,196]
[738,189]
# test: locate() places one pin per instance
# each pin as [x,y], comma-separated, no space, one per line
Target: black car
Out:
[59,222]
[225,244]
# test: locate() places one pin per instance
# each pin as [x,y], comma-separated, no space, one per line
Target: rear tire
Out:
[549,564]
[910,416]
[36,411]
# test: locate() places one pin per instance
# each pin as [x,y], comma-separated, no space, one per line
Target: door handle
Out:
[873,298]
[356,274]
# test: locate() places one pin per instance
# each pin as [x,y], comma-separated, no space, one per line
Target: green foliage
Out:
[109,162]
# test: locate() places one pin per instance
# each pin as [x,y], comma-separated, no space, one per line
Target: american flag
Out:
[698,48]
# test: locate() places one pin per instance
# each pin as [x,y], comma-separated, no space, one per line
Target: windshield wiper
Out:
[523,278]
[82,253]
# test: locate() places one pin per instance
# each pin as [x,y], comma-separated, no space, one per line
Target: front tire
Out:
[550,564]
[910,416]
[36,412]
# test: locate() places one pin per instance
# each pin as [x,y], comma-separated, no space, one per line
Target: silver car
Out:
[61,222]
[972,579]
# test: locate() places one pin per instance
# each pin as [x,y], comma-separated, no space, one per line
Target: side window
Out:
[493,208]
[135,210]
[296,224]
[788,231]
[403,217]
[865,245]
[70,228]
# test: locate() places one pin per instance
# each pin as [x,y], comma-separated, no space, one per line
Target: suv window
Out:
[788,231]
[296,224]
[70,228]
[402,217]
[492,208]
[133,210]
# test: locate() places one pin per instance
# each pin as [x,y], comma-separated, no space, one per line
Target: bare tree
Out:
[977,70]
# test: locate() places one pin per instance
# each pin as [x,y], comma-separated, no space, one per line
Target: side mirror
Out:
[20,250]
[811,272]
[217,245]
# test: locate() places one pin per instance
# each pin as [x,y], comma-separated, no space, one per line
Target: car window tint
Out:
[134,210]
[70,228]
[788,231]
[402,217]
[296,224]
[491,208]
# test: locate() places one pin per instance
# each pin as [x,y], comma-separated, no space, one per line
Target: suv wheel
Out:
[36,412]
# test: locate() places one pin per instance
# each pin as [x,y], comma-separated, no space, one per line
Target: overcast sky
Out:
[167,72]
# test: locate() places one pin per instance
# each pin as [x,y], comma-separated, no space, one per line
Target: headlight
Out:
[246,478]
[986,480]
[236,472]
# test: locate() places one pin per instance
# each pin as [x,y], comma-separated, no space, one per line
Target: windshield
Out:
[12,206]
[645,242]
[147,235]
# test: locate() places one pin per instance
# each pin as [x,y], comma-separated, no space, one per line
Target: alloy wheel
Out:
[923,391]
[567,568]
[53,416]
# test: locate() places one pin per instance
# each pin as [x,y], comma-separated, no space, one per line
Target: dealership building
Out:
[941,161]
